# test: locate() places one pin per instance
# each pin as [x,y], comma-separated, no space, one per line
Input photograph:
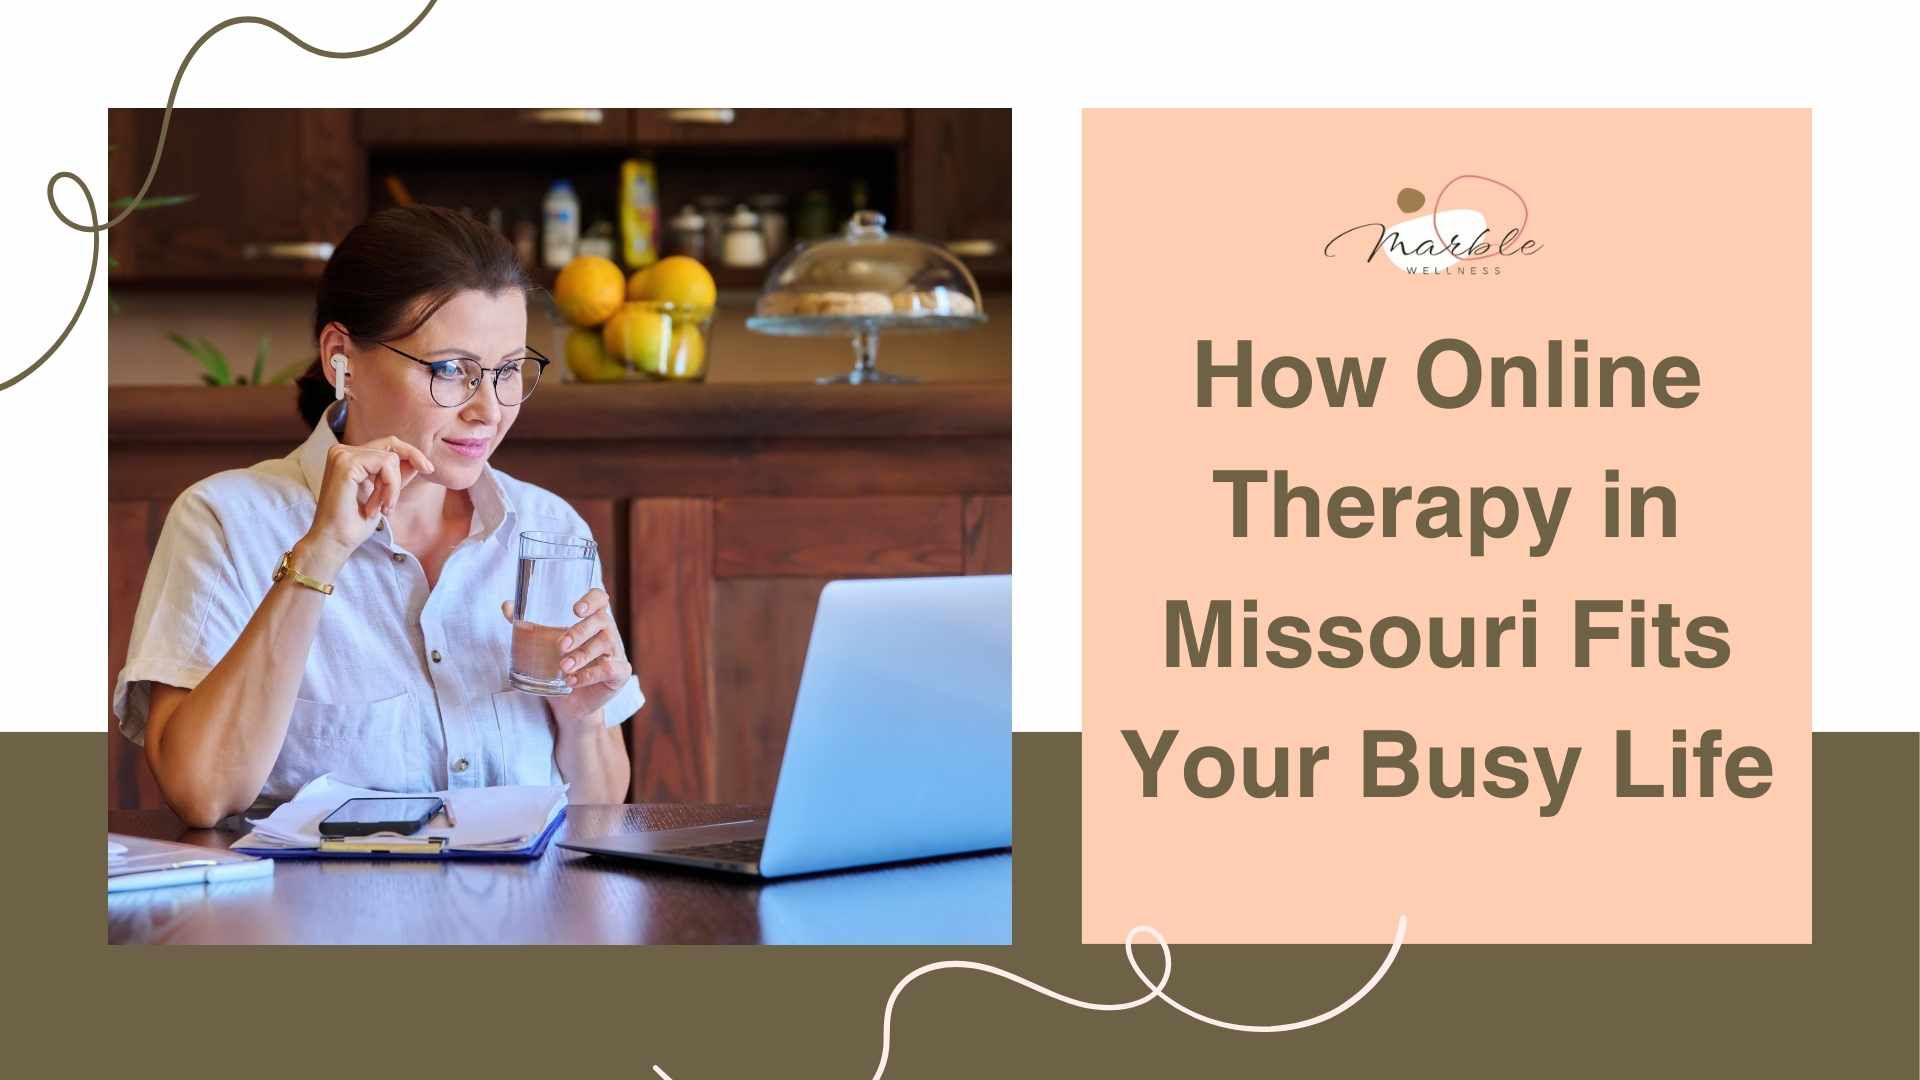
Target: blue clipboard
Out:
[531,851]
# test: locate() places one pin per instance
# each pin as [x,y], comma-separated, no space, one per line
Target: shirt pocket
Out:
[373,744]
[526,738]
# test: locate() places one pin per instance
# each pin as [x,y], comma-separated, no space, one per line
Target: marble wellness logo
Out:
[1475,227]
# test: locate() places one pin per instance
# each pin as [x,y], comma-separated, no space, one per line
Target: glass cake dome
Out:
[862,282]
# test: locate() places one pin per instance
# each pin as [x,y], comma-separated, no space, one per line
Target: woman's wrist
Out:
[592,758]
[573,721]
[319,557]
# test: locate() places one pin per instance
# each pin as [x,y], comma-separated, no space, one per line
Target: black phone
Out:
[366,816]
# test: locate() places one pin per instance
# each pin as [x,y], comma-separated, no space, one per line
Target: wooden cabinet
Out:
[773,127]
[507,129]
[770,557]
[960,186]
[721,510]
[273,190]
[638,129]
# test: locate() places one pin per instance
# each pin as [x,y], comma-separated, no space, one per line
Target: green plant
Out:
[149,203]
[215,371]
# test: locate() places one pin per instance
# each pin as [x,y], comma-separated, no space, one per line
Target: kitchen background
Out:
[264,192]
[722,506]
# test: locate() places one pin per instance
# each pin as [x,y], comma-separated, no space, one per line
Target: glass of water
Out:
[556,570]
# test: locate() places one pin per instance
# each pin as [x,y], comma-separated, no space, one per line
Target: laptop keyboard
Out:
[740,851]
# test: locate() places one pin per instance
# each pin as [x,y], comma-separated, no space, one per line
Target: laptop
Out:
[901,745]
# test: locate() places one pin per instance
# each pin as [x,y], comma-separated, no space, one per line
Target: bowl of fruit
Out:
[654,325]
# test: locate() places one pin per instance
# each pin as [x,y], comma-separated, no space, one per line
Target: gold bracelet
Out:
[286,570]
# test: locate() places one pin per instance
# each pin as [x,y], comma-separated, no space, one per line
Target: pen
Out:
[446,808]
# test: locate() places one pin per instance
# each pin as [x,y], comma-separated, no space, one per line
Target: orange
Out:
[677,280]
[589,290]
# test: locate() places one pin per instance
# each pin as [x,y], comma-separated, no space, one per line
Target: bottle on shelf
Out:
[524,247]
[597,240]
[639,214]
[813,219]
[560,230]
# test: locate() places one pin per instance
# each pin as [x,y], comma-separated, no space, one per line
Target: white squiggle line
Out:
[1154,990]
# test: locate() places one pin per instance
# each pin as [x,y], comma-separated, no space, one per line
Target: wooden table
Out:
[564,897]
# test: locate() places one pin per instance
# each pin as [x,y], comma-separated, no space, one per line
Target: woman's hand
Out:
[594,659]
[360,483]
[591,756]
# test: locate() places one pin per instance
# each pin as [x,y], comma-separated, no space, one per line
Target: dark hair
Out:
[394,270]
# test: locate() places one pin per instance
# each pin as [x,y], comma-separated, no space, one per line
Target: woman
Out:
[245,681]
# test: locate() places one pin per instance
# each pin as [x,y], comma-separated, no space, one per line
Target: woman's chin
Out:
[455,471]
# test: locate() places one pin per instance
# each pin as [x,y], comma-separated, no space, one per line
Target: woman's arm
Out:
[212,747]
[592,759]
[592,756]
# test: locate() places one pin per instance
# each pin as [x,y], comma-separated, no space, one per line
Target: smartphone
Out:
[366,816]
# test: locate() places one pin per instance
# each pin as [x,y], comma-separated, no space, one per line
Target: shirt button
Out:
[460,765]
[436,656]
[399,557]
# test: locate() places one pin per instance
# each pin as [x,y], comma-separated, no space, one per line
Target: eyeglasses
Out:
[455,380]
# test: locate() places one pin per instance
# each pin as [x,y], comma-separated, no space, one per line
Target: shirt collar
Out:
[493,512]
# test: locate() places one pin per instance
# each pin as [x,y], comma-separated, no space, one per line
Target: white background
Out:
[1852,63]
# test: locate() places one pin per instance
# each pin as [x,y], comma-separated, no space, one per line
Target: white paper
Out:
[504,818]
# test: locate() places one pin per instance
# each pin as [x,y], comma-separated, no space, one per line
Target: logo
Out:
[1475,226]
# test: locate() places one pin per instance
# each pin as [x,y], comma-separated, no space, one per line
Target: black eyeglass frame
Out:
[532,354]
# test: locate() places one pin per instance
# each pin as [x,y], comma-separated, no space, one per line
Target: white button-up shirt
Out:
[405,687]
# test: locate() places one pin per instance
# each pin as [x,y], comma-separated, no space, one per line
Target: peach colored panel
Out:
[1661,232]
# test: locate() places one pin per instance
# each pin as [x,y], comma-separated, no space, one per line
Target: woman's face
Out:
[392,395]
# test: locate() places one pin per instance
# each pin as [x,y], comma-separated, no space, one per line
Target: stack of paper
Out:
[485,819]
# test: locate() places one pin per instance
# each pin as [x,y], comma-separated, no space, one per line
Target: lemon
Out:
[677,280]
[589,290]
[586,356]
[638,336]
[686,359]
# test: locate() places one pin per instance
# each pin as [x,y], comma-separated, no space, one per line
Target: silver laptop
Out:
[901,745]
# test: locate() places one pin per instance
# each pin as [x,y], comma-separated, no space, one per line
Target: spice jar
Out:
[687,234]
[773,222]
[745,245]
[713,210]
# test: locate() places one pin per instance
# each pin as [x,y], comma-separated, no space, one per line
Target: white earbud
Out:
[339,376]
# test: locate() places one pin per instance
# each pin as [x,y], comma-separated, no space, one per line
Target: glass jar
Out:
[713,210]
[745,245]
[773,222]
[659,341]
[687,234]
